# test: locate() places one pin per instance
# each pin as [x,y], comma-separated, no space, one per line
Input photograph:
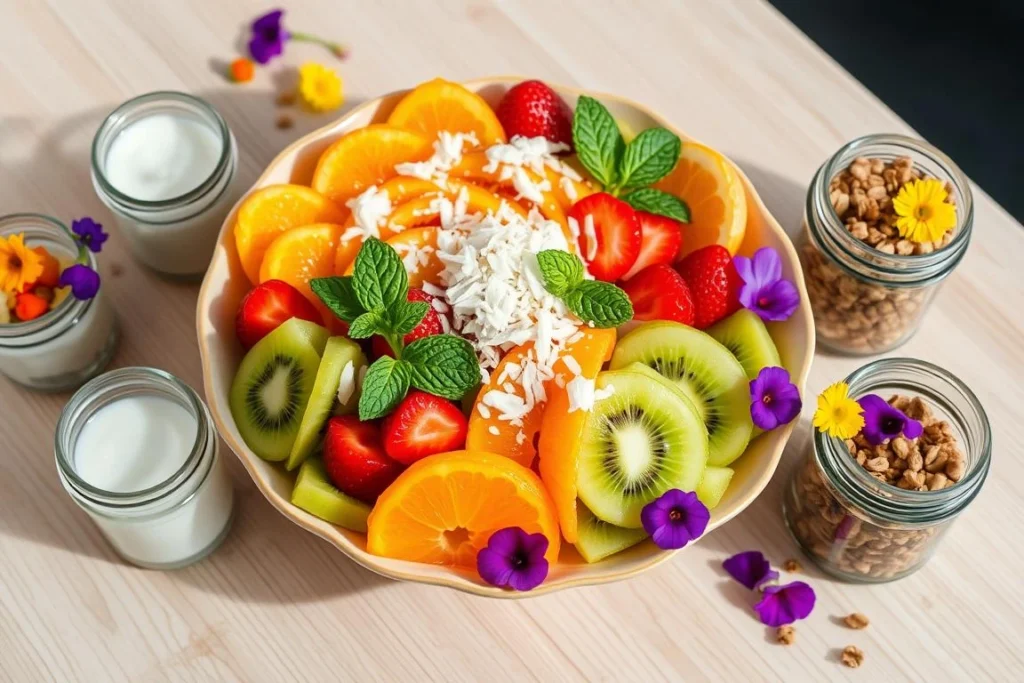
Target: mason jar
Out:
[861,529]
[69,344]
[165,164]
[866,301]
[160,507]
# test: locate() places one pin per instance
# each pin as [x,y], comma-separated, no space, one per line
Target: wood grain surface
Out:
[275,603]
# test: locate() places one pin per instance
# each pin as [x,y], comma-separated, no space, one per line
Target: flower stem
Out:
[337,49]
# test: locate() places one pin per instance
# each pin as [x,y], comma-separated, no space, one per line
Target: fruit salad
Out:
[484,335]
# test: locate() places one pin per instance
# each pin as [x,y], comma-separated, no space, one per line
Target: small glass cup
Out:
[76,340]
[863,530]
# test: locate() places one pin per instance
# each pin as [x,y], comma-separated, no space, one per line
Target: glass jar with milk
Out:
[165,164]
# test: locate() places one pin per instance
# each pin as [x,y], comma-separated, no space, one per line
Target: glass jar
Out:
[860,529]
[866,301]
[173,229]
[179,519]
[69,344]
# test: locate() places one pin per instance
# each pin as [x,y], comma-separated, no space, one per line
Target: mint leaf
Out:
[662,203]
[561,270]
[366,325]
[379,277]
[599,144]
[443,365]
[386,383]
[601,303]
[339,295]
[649,157]
[407,315]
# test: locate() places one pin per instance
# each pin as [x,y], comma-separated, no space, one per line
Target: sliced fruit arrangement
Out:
[366,157]
[441,105]
[315,494]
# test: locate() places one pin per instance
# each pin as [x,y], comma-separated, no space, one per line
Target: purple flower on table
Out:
[268,37]
[750,568]
[674,519]
[781,605]
[514,559]
[774,400]
[883,421]
[764,291]
[89,233]
[83,281]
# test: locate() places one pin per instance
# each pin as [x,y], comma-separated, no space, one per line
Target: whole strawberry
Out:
[714,284]
[533,109]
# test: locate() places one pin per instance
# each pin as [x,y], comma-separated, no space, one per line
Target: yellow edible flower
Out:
[19,265]
[923,213]
[320,87]
[838,414]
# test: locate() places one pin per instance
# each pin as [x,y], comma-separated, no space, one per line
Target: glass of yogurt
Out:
[165,164]
[71,343]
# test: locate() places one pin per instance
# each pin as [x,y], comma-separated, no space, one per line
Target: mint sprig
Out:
[601,304]
[662,203]
[598,141]
[649,157]
[386,383]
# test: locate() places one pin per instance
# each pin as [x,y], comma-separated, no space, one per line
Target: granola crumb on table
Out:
[792,566]
[785,635]
[856,620]
[852,656]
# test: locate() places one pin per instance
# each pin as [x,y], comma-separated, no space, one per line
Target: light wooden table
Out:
[275,603]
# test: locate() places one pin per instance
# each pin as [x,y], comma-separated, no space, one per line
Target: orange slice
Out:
[567,199]
[442,105]
[366,157]
[416,239]
[267,213]
[444,508]
[500,436]
[709,184]
[300,255]
[561,431]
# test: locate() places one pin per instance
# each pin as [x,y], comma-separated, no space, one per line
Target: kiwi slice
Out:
[315,494]
[706,372]
[342,357]
[746,336]
[713,485]
[597,539]
[638,442]
[272,386]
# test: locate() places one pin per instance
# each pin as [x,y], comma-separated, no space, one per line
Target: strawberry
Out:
[430,325]
[422,425]
[268,305]
[612,249]
[659,293]
[355,459]
[660,241]
[532,109]
[714,283]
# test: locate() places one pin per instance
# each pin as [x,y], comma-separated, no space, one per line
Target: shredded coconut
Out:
[568,188]
[447,154]
[369,211]
[494,430]
[591,236]
[580,391]
[347,385]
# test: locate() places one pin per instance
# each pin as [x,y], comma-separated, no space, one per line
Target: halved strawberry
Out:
[659,293]
[355,459]
[660,241]
[422,425]
[431,324]
[268,305]
[714,283]
[609,235]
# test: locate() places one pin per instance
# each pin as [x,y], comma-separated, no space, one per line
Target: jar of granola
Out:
[869,281]
[876,513]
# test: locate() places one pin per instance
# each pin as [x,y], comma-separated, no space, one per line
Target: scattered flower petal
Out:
[781,605]
[837,414]
[774,400]
[750,568]
[268,36]
[89,233]
[675,518]
[83,280]
[241,70]
[883,421]
[514,559]
[764,291]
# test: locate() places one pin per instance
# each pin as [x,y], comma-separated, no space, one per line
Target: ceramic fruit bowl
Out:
[226,284]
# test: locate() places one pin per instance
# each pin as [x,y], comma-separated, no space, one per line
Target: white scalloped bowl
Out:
[225,285]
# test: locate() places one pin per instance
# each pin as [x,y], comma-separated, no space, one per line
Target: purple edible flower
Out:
[774,400]
[674,519]
[83,280]
[883,422]
[781,605]
[764,291]
[89,233]
[750,568]
[268,37]
[514,559]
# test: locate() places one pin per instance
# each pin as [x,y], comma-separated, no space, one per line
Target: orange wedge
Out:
[267,213]
[710,186]
[500,436]
[300,255]
[416,239]
[444,508]
[442,105]
[567,199]
[366,157]
[561,431]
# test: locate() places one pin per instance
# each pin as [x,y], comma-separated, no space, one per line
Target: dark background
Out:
[952,70]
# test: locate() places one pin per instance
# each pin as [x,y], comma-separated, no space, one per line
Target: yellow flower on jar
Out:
[837,414]
[923,213]
[320,87]
[19,264]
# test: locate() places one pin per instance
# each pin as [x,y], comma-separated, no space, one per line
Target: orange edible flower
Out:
[30,306]
[241,70]
[50,277]
[19,265]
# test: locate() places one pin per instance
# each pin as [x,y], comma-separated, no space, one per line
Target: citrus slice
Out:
[567,190]
[417,248]
[710,186]
[366,157]
[441,105]
[268,212]
[488,432]
[300,255]
[444,508]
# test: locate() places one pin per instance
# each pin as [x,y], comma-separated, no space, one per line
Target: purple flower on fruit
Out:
[89,233]
[781,605]
[750,568]
[83,281]
[268,37]
[674,519]
[774,400]
[883,421]
[514,559]
[764,291]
